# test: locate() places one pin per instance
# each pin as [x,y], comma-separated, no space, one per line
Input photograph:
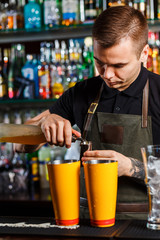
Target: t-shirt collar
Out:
[134,90]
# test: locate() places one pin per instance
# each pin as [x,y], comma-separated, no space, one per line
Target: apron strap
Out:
[91,110]
[94,105]
[145,104]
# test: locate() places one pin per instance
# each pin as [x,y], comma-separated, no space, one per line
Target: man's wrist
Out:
[136,169]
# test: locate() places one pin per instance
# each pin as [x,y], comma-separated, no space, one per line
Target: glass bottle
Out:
[57,83]
[32,15]
[3,87]
[90,10]
[41,3]
[44,73]
[11,73]
[142,7]
[70,12]
[12,15]
[51,13]
[130,3]
[158,9]
[33,169]
[28,73]
[3,14]
[20,15]
[113,3]
[81,11]
[44,156]
[6,57]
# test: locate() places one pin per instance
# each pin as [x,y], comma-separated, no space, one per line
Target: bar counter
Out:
[30,216]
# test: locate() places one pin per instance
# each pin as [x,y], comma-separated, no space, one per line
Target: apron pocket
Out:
[112,134]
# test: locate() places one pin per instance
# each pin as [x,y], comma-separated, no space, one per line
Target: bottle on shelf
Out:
[3,10]
[114,3]
[51,13]
[8,146]
[158,10]
[12,15]
[44,72]
[32,15]
[18,174]
[70,12]
[6,57]
[41,4]
[30,72]
[92,9]
[3,85]
[4,160]
[17,118]
[20,15]
[81,11]
[130,3]
[57,78]
[16,63]
[44,156]
[142,7]
[6,118]
[33,170]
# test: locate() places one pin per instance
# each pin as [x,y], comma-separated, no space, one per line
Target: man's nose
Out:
[108,72]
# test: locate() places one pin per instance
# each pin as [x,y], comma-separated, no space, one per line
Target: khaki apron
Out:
[125,134]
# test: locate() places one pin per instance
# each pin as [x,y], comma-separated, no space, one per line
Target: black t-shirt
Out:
[74,103]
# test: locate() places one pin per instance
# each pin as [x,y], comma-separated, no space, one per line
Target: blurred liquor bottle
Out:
[32,15]
[3,86]
[11,73]
[3,14]
[57,80]
[151,9]
[33,169]
[41,4]
[142,7]
[20,15]
[44,156]
[51,13]
[12,15]
[30,72]
[114,3]
[43,73]
[15,19]
[158,9]
[92,9]
[6,58]
[81,11]
[17,57]
[129,3]
[70,12]
[155,55]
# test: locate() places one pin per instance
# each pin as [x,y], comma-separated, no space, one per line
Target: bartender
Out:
[119,109]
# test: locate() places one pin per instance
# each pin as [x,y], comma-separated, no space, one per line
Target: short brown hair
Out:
[119,22]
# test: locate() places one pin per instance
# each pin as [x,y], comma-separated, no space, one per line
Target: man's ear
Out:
[144,54]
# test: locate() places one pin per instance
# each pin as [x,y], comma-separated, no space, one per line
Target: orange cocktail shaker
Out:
[64,181]
[101,186]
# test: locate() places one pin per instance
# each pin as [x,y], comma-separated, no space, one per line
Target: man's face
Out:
[118,65]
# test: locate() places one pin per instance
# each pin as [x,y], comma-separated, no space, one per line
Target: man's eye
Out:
[119,66]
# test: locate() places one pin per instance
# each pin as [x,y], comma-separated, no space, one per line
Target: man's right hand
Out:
[57,130]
